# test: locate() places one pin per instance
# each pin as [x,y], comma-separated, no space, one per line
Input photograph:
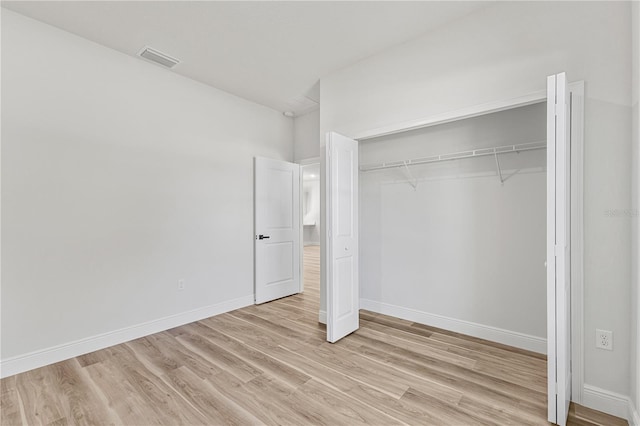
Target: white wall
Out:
[505,51]
[461,245]
[118,179]
[306,136]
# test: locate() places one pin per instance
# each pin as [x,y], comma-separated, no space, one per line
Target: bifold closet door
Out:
[558,249]
[343,292]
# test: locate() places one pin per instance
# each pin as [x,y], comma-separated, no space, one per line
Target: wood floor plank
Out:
[258,359]
[377,375]
[447,413]
[39,397]
[121,396]
[529,355]
[152,356]
[331,407]
[152,390]
[265,398]
[494,413]
[208,400]
[180,354]
[280,326]
[224,359]
[365,335]
[10,405]
[533,372]
[80,401]
[270,364]
[481,386]
[396,323]
[484,394]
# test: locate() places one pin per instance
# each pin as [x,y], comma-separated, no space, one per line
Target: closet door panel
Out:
[558,249]
[343,290]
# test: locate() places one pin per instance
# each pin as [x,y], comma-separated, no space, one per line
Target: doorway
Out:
[310,199]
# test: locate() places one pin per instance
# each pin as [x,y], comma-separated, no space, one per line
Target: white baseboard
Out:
[494,334]
[609,402]
[634,416]
[36,359]
[322,317]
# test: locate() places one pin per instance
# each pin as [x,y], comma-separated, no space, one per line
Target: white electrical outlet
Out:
[180,284]
[604,339]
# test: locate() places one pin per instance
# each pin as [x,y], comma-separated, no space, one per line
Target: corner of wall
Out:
[306,142]
[609,402]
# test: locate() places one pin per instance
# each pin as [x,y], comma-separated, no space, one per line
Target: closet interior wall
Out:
[461,245]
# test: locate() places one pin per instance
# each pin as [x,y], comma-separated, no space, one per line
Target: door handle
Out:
[263,237]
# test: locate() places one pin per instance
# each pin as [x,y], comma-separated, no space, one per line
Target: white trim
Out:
[554,267]
[606,401]
[634,417]
[494,334]
[36,359]
[301,236]
[577,240]
[460,114]
[322,317]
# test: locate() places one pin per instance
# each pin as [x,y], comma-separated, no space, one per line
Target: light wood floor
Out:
[271,364]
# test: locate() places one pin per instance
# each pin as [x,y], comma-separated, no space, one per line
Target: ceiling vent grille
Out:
[158,57]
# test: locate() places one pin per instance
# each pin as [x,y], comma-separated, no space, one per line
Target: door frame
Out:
[577,90]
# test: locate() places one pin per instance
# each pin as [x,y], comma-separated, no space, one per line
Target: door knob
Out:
[263,237]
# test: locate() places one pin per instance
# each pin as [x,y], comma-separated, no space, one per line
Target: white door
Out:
[277,229]
[343,290]
[558,249]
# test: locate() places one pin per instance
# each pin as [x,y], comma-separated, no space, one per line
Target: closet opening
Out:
[452,229]
[469,222]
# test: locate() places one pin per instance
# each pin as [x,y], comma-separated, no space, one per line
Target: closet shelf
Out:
[482,152]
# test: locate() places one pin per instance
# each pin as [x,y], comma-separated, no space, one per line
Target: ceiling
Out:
[269,52]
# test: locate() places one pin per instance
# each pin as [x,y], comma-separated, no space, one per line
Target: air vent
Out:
[158,57]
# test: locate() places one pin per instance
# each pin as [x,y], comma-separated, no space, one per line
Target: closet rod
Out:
[481,152]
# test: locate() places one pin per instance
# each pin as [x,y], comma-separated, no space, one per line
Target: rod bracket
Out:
[410,178]
[495,154]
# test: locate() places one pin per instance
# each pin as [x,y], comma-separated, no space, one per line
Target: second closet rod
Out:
[481,152]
